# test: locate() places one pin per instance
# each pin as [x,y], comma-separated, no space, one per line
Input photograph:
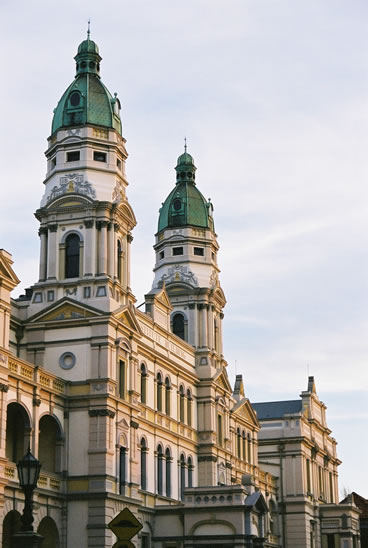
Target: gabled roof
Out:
[222,379]
[126,315]
[243,408]
[257,500]
[277,409]
[66,309]
[7,274]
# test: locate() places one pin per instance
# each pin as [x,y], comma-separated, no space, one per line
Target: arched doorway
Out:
[50,533]
[49,444]
[17,432]
[11,524]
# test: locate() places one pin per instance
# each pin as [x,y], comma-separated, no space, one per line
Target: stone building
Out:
[131,408]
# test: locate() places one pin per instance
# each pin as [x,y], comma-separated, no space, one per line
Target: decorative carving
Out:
[3,359]
[72,182]
[134,424]
[89,223]
[118,194]
[101,224]
[4,387]
[101,413]
[73,132]
[207,458]
[36,401]
[214,281]
[70,291]
[52,228]
[178,273]
[129,238]
[42,230]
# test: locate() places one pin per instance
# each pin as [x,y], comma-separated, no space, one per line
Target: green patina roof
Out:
[185,205]
[87,100]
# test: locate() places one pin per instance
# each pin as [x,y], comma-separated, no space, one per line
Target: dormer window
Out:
[75,99]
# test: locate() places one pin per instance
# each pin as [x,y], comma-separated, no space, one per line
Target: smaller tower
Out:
[186,264]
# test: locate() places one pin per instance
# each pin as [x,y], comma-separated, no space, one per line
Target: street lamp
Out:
[28,472]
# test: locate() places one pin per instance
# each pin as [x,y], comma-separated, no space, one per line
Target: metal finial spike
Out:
[89,29]
[185,144]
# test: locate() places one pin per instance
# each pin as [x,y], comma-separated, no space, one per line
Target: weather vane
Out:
[185,144]
[89,28]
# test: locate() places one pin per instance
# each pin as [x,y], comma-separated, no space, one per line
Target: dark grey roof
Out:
[276,409]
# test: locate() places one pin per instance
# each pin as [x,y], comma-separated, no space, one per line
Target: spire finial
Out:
[185,144]
[89,28]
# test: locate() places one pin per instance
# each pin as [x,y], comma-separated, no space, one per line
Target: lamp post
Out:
[28,472]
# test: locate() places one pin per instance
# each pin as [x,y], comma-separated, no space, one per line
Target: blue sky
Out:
[272,96]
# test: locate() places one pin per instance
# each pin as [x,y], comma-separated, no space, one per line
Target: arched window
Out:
[49,444]
[250,459]
[220,438]
[244,445]
[11,524]
[72,253]
[143,383]
[238,443]
[167,396]
[182,403]
[122,379]
[182,476]
[178,327]
[48,529]
[190,472]
[17,432]
[143,464]
[168,472]
[160,458]
[122,470]
[159,391]
[119,259]
[189,408]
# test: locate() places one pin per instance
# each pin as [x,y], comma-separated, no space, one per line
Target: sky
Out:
[272,96]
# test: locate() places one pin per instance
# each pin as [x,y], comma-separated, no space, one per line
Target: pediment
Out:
[222,380]
[126,315]
[245,410]
[66,309]
[127,212]
[7,274]
[71,200]
[219,296]
[163,299]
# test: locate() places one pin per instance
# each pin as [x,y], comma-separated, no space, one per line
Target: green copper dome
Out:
[87,100]
[185,205]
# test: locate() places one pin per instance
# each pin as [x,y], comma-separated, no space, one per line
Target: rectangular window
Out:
[309,490]
[162,254]
[122,379]
[73,156]
[178,251]
[199,251]
[86,292]
[331,488]
[118,163]
[53,162]
[37,298]
[50,295]
[99,156]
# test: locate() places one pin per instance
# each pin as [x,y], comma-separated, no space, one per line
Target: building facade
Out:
[131,408]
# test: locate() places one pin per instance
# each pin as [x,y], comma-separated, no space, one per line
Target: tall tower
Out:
[186,264]
[85,218]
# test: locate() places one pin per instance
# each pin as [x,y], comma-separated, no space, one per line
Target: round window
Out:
[75,99]
[177,204]
[67,360]
[91,65]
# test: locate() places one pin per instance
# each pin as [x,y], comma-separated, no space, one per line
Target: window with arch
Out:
[190,472]
[122,470]
[182,476]
[168,472]
[178,325]
[189,408]
[238,443]
[122,379]
[159,391]
[220,435]
[18,430]
[167,396]
[72,256]
[244,446]
[160,458]
[49,444]
[250,459]
[144,450]
[182,403]
[143,383]
[119,252]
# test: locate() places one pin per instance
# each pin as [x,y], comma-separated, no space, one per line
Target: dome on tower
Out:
[185,205]
[87,100]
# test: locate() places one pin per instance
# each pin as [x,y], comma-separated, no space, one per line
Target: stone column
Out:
[111,249]
[127,260]
[52,252]
[43,253]
[203,313]
[89,249]
[115,253]
[210,326]
[102,248]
